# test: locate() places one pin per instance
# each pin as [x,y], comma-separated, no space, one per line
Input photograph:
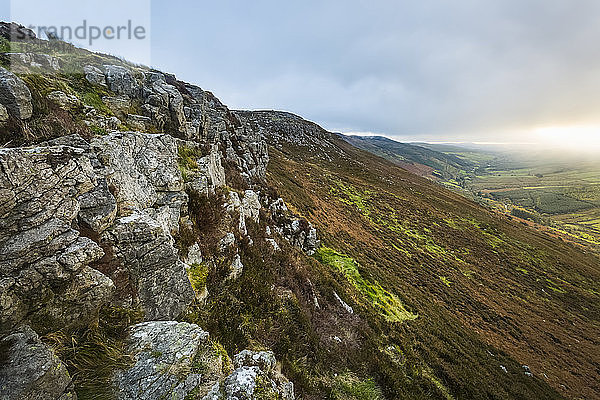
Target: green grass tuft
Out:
[349,387]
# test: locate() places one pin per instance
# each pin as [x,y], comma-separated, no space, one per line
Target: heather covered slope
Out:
[474,280]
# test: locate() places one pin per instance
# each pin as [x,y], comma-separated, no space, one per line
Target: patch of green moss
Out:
[349,387]
[348,194]
[386,303]
[187,160]
[197,274]
[264,391]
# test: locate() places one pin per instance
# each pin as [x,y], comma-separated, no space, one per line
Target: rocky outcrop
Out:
[298,231]
[143,170]
[207,174]
[282,128]
[64,100]
[172,361]
[255,376]
[186,110]
[148,267]
[147,201]
[15,95]
[40,252]
[89,223]
[177,360]
[29,370]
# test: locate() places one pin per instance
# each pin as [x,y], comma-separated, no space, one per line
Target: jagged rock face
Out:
[176,361]
[86,224]
[148,192]
[208,174]
[30,370]
[172,360]
[148,263]
[143,170]
[15,95]
[39,250]
[187,110]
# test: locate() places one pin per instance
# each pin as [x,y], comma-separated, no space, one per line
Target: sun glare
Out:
[586,138]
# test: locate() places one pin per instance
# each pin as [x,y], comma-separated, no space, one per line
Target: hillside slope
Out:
[472,277]
[155,244]
[413,157]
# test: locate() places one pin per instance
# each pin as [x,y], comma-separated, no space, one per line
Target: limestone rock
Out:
[299,232]
[94,75]
[172,360]
[236,268]
[265,360]
[148,259]
[30,370]
[139,122]
[143,170]
[240,385]
[39,249]
[256,373]
[121,80]
[63,100]
[251,205]
[98,207]
[15,95]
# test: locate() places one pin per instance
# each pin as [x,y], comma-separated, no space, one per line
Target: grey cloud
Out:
[397,67]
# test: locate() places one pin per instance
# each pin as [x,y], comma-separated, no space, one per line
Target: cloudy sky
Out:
[437,70]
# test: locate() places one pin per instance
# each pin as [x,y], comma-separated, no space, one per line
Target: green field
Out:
[563,194]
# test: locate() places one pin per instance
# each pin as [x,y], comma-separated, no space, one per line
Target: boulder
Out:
[251,205]
[265,360]
[63,100]
[15,95]
[94,75]
[121,80]
[173,360]
[29,370]
[255,376]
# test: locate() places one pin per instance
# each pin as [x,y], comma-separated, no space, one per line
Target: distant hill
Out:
[415,158]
